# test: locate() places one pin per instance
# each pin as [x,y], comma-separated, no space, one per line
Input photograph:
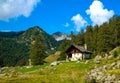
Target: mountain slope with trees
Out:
[15,46]
[99,39]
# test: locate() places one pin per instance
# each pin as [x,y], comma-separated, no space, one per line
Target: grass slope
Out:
[68,72]
[117,50]
[52,57]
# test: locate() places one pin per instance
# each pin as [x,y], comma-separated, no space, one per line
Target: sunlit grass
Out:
[53,57]
[68,72]
[115,71]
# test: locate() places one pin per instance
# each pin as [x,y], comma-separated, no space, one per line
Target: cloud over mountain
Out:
[98,14]
[79,22]
[15,8]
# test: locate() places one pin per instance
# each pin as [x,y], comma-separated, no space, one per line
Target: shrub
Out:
[115,54]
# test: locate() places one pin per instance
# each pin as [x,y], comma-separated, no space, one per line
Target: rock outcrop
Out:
[101,74]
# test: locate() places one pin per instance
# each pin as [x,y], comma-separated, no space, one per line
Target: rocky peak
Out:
[61,36]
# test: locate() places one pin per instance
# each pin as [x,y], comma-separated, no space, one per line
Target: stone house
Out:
[75,52]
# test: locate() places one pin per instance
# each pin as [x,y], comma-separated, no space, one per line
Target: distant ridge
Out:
[60,36]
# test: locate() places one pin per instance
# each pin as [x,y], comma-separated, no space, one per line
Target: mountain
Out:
[30,35]
[15,46]
[61,36]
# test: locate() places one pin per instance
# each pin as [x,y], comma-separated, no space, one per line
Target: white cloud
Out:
[67,25]
[98,14]
[15,8]
[79,22]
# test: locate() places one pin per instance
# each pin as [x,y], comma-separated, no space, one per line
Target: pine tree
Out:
[113,32]
[104,39]
[89,37]
[72,37]
[37,52]
[117,31]
[79,39]
[63,47]
[95,39]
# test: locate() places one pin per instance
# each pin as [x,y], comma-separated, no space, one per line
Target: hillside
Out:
[53,57]
[13,52]
[66,72]
[14,46]
[107,71]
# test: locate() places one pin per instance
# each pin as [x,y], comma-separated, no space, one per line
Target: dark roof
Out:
[81,48]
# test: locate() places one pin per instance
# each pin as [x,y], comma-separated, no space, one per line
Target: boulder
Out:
[113,77]
[98,57]
[87,61]
[100,73]
[97,61]
[78,62]
[118,57]
[118,64]
[113,64]
[55,63]
[110,57]
[103,79]
[104,67]
[106,55]
[98,78]
[29,66]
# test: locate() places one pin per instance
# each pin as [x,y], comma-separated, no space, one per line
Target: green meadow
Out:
[67,72]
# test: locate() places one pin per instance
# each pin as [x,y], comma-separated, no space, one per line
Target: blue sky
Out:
[55,15]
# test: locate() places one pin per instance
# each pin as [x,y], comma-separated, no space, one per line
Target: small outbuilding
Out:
[75,52]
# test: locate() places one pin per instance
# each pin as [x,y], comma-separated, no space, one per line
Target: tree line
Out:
[17,47]
[13,53]
[102,39]
[99,39]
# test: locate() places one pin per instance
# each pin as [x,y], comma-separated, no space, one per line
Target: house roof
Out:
[81,48]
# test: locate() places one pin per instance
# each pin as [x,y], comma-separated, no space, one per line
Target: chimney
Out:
[85,46]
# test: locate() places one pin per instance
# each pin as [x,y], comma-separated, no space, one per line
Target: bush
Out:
[62,56]
[115,54]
